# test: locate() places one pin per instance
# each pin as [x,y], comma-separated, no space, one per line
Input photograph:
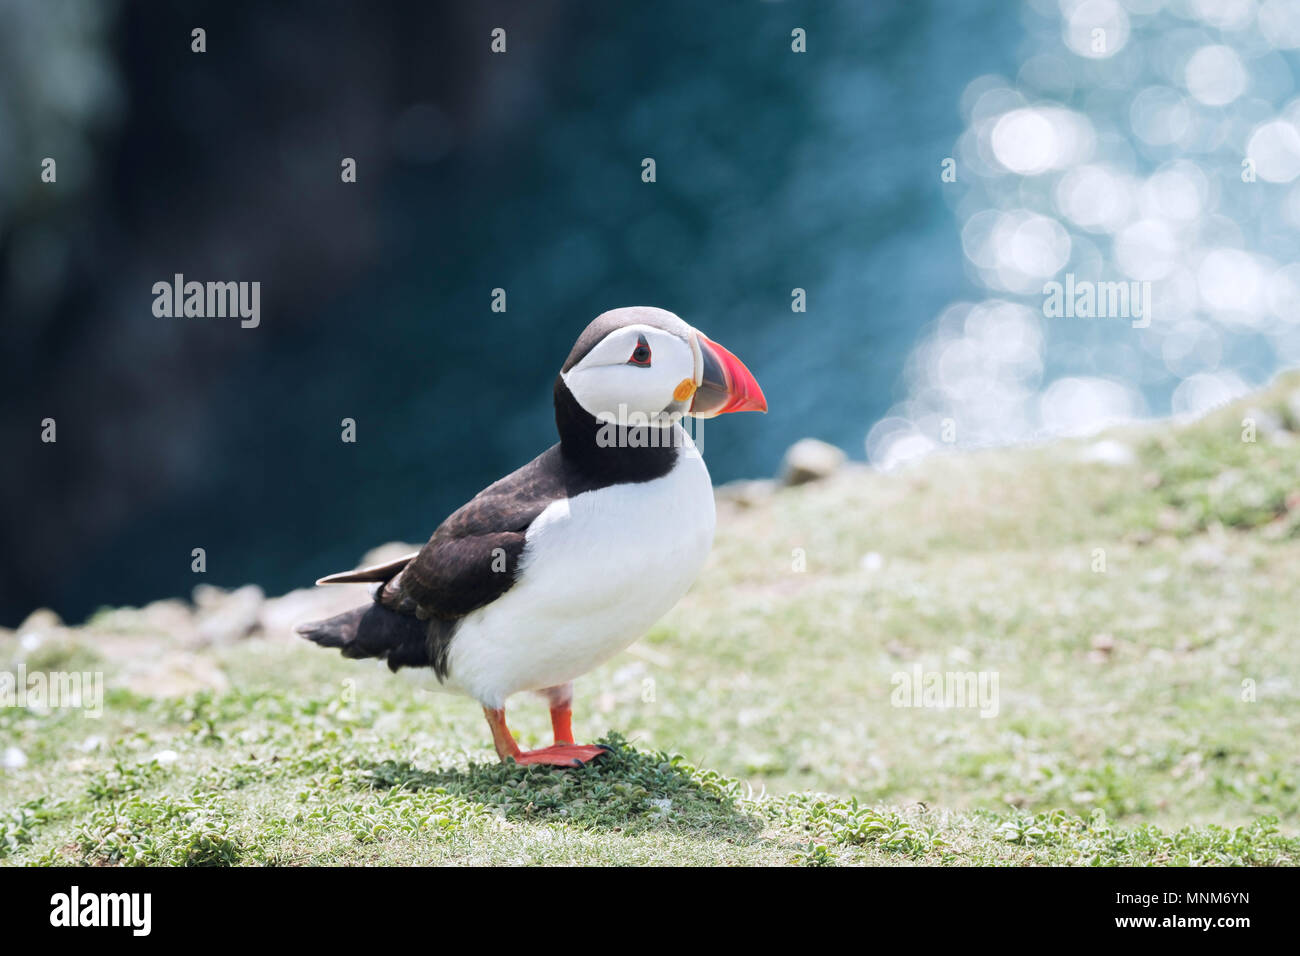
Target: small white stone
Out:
[227,617]
[165,757]
[810,460]
[746,493]
[1109,452]
[873,561]
[13,759]
[42,619]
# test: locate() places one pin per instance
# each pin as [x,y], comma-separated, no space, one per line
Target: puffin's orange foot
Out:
[561,755]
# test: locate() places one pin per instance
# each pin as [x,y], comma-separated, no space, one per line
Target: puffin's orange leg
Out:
[502,738]
[560,755]
[562,724]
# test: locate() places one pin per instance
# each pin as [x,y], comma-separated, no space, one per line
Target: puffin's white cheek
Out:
[616,390]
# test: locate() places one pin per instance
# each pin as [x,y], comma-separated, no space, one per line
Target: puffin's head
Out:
[642,361]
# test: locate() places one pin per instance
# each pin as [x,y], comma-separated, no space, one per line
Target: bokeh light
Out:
[1142,141]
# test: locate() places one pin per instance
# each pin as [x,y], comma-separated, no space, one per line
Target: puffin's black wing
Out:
[473,557]
[471,560]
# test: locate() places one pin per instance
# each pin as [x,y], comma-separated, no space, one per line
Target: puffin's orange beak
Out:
[725,384]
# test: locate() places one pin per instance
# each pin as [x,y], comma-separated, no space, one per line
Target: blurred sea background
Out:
[1102,138]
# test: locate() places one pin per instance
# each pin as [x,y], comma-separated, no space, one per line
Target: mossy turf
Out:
[1139,613]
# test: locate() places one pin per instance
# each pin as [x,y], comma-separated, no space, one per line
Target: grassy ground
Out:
[1139,614]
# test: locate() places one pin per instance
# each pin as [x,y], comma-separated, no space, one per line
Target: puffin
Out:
[560,565]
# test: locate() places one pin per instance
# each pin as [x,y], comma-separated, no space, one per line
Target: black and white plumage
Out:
[558,566]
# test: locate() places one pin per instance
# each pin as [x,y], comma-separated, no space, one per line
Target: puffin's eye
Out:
[640,354]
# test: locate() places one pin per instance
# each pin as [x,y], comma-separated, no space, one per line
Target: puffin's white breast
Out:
[597,571]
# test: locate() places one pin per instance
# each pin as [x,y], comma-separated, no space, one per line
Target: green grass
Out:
[1147,712]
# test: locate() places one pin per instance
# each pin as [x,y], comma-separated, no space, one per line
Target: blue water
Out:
[775,170]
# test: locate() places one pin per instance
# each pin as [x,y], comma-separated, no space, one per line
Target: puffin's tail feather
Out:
[373,631]
[376,572]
